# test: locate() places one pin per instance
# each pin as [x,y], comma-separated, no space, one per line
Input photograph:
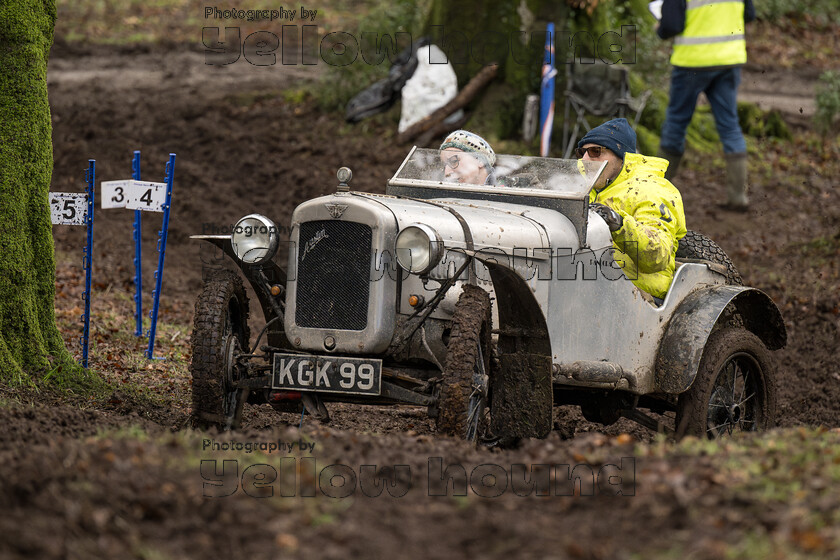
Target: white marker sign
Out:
[115,193]
[68,208]
[143,195]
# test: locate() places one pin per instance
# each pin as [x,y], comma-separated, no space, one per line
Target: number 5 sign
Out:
[68,209]
[76,209]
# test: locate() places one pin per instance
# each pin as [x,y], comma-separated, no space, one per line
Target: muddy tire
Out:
[220,333]
[695,245]
[735,388]
[463,393]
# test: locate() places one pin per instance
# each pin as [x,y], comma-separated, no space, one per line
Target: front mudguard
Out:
[682,346]
[261,277]
[522,390]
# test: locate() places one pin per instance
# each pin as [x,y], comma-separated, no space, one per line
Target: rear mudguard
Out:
[682,346]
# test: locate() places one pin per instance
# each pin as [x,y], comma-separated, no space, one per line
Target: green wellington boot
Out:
[736,182]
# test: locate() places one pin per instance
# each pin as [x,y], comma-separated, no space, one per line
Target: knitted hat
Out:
[468,142]
[616,135]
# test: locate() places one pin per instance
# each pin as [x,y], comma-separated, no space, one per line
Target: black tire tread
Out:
[207,364]
[471,323]
[696,245]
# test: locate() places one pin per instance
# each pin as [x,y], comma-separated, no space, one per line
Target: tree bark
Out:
[476,33]
[30,343]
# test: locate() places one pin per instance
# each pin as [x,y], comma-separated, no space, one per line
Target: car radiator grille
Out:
[333,283]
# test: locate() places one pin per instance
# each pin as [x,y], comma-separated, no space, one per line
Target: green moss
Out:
[339,84]
[30,344]
[647,141]
[761,124]
[828,102]
[701,135]
[501,112]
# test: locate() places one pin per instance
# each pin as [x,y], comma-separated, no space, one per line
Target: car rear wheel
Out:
[220,335]
[734,391]
[463,394]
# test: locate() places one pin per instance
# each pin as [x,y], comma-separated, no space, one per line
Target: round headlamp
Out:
[418,248]
[254,239]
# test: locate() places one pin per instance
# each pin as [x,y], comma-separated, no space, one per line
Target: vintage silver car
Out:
[487,304]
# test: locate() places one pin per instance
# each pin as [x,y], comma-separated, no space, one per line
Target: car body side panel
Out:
[594,320]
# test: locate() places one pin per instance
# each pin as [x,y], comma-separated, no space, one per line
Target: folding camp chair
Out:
[599,90]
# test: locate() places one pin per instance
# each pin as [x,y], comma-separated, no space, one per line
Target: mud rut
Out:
[241,148]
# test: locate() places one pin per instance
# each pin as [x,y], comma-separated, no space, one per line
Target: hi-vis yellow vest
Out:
[713,35]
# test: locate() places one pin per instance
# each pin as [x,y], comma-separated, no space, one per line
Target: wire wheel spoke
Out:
[734,389]
[714,430]
[478,397]
[733,404]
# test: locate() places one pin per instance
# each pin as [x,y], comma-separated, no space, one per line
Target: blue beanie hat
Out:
[616,135]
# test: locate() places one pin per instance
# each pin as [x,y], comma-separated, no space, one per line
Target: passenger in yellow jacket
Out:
[643,210]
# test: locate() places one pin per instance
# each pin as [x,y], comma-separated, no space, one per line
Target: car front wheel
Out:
[463,393]
[220,335]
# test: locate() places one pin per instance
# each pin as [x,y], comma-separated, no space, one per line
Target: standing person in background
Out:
[709,49]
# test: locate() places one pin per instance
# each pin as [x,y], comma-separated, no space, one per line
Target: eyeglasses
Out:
[452,162]
[593,151]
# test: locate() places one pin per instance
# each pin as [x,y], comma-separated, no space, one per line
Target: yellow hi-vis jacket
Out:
[654,222]
[713,35]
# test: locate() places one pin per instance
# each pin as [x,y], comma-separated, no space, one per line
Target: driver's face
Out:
[614,163]
[462,167]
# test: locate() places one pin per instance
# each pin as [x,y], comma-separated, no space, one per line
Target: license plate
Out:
[327,374]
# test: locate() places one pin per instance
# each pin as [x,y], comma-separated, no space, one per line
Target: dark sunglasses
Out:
[452,162]
[593,151]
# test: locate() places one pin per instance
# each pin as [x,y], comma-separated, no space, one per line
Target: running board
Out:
[647,421]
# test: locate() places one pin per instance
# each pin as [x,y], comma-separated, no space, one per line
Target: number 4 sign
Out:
[143,195]
[135,194]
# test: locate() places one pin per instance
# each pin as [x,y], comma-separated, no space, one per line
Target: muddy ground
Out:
[123,478]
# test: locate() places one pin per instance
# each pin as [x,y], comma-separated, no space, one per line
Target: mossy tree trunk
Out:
[30,343]
[478,32]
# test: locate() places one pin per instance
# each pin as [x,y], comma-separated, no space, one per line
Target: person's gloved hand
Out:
[613,218]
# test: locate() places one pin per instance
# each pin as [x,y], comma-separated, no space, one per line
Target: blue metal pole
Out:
[170,177]
[138,261]
[88,256]
[549,71]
